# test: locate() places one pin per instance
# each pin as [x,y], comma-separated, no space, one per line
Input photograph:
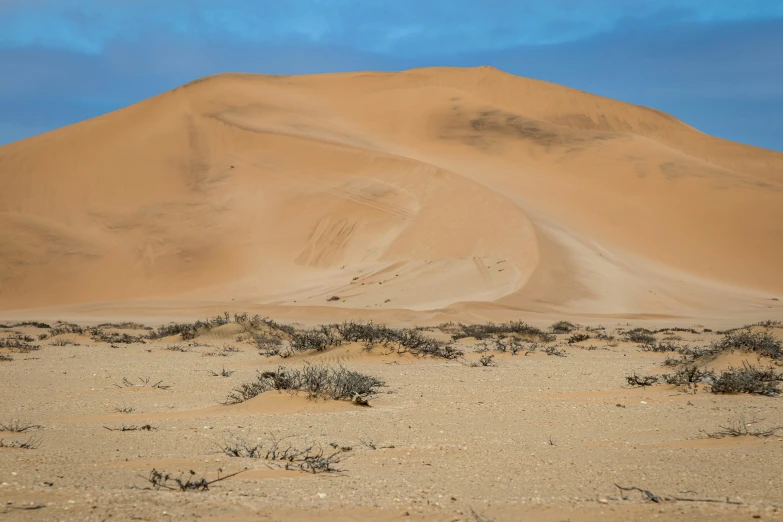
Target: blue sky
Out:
[716,64]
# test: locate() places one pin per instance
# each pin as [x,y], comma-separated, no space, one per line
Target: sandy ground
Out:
[535,437]
[409,199]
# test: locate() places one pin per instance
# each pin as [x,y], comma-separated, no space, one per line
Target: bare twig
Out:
[221,373]
[143,383]
[278,451]
[642,381]
[648,495]
[742,428]
[162,480]
[146,427]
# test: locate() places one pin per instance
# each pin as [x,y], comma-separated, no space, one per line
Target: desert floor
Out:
[533,436]
[425,198]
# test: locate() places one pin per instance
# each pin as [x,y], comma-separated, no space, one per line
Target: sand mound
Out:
[414,190]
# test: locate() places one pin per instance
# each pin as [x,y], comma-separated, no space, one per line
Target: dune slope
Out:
[426,189]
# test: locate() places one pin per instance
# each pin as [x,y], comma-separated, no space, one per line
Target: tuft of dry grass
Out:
[143,382]
[31,443]
[741,427]
[18,427]
[304,457]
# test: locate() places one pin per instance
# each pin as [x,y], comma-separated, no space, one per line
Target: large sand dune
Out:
[459,189]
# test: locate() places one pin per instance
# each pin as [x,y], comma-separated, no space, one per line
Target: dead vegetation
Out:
[143,383]
[317,340]
[285,342]
[221,373]
[484,360]
[562,327]
[257,322]
[269,346]
[125,326]
[554,350]
[31,443]
[759,343]
[400,340]
[748,379]
[639,336]
[281,451]
[768,325]
[63,342]
[676,329]
[176,348]
[316,381]
[226,350]
[19,344]
[649,496]
[188,331]
[487,330]
[641,381]
[664,347]
[511,344]
[18,427]
[371,444]
[688,375]
[99,335]
[65,328]
[145,427]
[741,427]
[34,324]
[186,482]
[578,338]
[603,336]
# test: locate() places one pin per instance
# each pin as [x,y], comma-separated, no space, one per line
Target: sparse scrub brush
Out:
[760,343]
[578,338]
[483,331]
[748,379]
[688,375]
[641,381]
[561,327]
[640,336]
[317,381]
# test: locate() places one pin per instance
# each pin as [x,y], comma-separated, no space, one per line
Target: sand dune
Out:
[443,188]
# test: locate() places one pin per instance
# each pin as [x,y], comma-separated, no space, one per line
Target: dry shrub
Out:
[748,379]
[281,451]
[317,381]
[561,327]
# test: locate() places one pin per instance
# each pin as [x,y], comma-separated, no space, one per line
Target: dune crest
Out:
[420,190]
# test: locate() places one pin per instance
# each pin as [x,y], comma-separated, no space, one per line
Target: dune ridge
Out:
[428,189]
